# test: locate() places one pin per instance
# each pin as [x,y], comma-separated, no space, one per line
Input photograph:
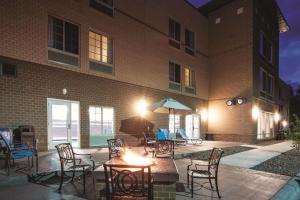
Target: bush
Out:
[294,131]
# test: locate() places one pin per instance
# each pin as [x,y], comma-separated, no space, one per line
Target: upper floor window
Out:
[174,33]
[63,35]
[266,83]
[174,72]
[105,6]
[265,48]
[189,77]
[189,42]
[100,48]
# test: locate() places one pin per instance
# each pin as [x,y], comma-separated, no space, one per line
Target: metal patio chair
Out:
[128,182]
[164,149]
[70,163]
[115,147]
[11,153]
[150,141]
[209,171]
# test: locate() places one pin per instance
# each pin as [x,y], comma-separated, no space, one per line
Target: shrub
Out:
[294,131]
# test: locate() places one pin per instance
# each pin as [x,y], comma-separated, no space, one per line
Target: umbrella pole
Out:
[174,121]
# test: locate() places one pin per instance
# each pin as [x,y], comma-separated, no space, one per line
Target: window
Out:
[240,11]
[218,20]
[265,48]
[189,77]
[189,42]
[174,33]
[100,48]
[101,125]
[63,35]
[104,6]
[174,122]
[265,125]
[192,126]
[7,69]
[266,83]
[174,72]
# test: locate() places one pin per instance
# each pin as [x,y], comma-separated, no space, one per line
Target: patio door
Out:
[63,122]
[192,126]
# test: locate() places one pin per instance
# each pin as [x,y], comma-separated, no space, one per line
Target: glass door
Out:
[192,126]
[63,122]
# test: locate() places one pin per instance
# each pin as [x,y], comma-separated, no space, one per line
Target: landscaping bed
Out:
[204,155]
[287,164]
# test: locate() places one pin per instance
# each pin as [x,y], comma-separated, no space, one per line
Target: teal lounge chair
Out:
[182,135]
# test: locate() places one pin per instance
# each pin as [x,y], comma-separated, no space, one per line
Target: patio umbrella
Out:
[169,104]
[135,126]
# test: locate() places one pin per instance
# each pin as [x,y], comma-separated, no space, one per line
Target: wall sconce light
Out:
[236,101]
[64,91]
[277,117]
[255,112]
[284,123]
[141,107]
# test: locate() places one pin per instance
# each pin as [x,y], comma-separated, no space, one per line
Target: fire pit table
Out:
[164,173]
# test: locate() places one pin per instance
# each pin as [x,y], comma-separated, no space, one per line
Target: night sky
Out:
[289,42]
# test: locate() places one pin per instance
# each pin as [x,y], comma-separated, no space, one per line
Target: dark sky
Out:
[289,66]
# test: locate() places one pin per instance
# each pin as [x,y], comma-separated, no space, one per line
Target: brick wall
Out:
[24,99]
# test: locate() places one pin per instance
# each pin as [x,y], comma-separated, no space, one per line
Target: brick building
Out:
[75,69]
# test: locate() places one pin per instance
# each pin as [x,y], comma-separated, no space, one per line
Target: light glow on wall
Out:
[284,123]
[141,107]
[277,117]
[255,112]
[204,115]
[212,115]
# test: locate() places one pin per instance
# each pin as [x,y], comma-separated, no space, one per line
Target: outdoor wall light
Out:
[230,102]
[64,91]
[141,107]
[241,100]
[277,117]
[284,123]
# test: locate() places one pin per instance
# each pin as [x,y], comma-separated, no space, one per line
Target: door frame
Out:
[199,123]
[49,112]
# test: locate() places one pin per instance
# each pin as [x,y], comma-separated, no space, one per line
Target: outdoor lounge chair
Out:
[209,171]
[70,163]
[128,182]
[181,135]
[12,153]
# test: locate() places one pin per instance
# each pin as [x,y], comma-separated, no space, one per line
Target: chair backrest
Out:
[164,148]
[115,147]
[166,132]
[182,134]
[7,135]
[214,160]
[65,153]
[128,181]
[4,145]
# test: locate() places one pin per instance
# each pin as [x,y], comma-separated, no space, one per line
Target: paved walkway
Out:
[251,158]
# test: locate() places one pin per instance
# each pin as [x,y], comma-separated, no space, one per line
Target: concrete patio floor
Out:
[234,182]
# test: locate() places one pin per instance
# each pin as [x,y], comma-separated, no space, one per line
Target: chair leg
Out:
[73,176]
[192,186]
[217,188]
[212,187]
[8,166]
[188,179]
[83,181]
[61,181]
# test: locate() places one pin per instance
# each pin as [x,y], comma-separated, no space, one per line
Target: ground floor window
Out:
[265,125]
[101,125]
[192,126]
[174,123]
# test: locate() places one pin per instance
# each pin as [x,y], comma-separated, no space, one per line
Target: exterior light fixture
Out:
[64,91]
[230,102]
[255,112]
[141,107]
[284,123]
[277,117]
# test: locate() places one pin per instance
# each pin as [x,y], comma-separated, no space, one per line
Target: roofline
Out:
[282,22]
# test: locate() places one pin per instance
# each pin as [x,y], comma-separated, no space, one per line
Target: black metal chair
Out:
[128,182]
[115,147]
[69,163]
[164,149]
[209,171]
[149,141]
[11,153]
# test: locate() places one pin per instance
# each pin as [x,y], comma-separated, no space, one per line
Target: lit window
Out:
[100,48]
[101,125]
[174,122]
[218,20]
[189,77]
[240,10]
[265,125]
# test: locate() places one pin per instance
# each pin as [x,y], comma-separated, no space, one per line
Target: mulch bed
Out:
[287,164]
[204,155]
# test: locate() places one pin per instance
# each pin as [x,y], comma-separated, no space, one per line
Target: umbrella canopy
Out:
[166,105]
[135,126]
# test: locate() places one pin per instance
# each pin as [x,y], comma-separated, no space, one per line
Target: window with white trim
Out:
[189,77]
[174,33]
[101,124]
[174,72]
[189,42]
[265,125]
[174,122]
[100,48]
